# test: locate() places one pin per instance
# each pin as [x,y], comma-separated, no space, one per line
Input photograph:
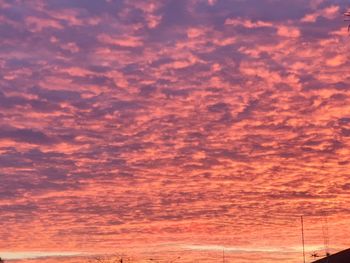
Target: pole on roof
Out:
[325,235]
[302,237]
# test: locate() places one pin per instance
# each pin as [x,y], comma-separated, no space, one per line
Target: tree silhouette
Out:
[109,259]
[1,260]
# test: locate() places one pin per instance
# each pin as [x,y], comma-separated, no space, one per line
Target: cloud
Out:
[330,12]
[284,31]
[126,41]
[38,24]
[247,23]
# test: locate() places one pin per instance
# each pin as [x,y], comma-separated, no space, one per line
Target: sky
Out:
[173,130]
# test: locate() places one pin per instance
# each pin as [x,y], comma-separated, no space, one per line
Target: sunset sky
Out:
[173,128]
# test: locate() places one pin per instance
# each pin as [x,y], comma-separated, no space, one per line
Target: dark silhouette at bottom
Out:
[340,257]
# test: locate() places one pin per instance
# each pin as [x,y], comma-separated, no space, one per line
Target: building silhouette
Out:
[340,257]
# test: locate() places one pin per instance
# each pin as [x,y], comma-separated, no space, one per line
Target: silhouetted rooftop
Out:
[340,257]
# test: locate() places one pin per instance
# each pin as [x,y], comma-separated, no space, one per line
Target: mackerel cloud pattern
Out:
[149,126]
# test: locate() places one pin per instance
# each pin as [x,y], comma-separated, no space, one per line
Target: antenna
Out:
[302,237]
[347,14]
[325,236]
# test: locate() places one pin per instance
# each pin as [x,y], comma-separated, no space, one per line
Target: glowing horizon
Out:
[38,254]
